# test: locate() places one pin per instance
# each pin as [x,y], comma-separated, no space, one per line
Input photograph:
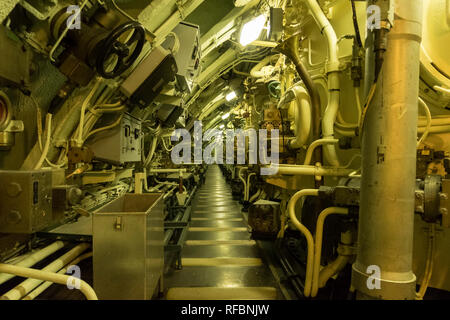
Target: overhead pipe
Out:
[389,138]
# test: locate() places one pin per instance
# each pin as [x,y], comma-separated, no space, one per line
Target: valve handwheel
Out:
[125,55]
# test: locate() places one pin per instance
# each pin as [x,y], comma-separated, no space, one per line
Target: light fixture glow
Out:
[231,96]
[226,116]
[252,29]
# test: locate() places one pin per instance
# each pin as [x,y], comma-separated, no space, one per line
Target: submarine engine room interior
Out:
[224,149]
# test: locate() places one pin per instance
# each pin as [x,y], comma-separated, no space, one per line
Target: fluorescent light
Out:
[252,29]
[226,116]
[231,96]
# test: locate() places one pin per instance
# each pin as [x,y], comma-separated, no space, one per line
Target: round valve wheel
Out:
[120,50]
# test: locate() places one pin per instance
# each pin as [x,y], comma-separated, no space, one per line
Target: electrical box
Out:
[25,201]
[128,246]
[147,81]
[188,55]
[120,144]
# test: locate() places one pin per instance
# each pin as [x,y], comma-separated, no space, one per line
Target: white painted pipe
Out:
[36,292]
[255,196]
[303,117]
[310,170]
[34,258]
[243,180]
[247,192]
[314,145]
[48,124]
[41,276]
[256,70]
[318,244]
[333,79]
[29,284]
[306,233]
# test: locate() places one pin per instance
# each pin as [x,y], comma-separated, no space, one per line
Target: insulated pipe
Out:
[41,276]
[318,244]
[255,196]
[247,192]
[314,145]
[333,79]
[309,170]
[180,171]
[306,233]
[36,292]
[48,122]
[256,70]
[302,117]
[46,275]
[389,138]
[243,180]
[34,258]
[345,253]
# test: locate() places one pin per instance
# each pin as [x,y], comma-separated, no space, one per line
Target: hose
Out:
[48,125]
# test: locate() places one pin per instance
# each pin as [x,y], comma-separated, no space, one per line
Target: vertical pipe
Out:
[386,220]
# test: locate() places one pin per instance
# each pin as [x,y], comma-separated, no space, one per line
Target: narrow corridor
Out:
[220,261]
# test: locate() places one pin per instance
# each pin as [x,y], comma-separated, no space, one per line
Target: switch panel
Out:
[121,144]
[25,201]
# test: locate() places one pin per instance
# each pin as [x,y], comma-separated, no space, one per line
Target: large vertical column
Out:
[386,218]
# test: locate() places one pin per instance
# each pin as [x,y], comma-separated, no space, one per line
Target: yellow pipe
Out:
[318,243]
[86,289]
[33,259]
[28,285]
[306,233]
[36,292]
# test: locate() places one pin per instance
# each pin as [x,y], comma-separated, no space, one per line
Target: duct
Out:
[386,219]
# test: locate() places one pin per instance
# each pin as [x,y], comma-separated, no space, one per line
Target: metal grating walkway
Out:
[220,261]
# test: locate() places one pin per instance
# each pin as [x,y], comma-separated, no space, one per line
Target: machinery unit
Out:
[148,80]
[128,243]
[121,144]
[187,55]
[25,201]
